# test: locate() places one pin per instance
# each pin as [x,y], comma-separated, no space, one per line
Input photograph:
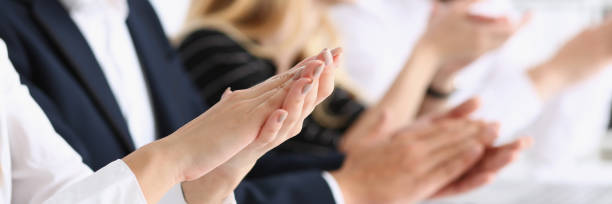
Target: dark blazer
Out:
[56,63]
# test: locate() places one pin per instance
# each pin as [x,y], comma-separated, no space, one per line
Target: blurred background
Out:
[554,22]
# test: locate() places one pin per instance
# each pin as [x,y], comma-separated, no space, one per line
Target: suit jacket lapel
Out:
[155,66]
[54,19]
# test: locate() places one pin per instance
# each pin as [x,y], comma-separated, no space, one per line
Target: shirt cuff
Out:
[334,187]
[174,195]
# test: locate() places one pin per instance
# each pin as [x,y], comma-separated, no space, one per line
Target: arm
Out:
[187,154]
[471,37]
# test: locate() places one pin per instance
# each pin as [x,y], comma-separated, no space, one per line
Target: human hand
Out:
[475,173]
[414,163]
[493,160]
[459,37]
[223,180]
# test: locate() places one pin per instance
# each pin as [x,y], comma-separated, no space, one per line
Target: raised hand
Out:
[460,38]
[457,35]
[582,57]
[298,104]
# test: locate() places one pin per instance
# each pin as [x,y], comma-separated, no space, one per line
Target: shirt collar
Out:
[117,6]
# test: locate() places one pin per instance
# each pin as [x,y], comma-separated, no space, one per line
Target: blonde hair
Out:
[248,20]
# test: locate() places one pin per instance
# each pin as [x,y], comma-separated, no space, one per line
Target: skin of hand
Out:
[494,159]
[220,182]
[582,57]
[413,179]
[461,37]
[264,115]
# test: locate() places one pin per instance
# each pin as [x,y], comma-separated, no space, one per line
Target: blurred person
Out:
[236,44]
[564,100]
[38,166]
[254,40]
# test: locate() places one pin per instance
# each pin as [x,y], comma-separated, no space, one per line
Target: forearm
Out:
[156,169]
[404,97]
[547,79]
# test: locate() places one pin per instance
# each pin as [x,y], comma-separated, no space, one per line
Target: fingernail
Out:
[282,117]
[298,74]
[335,51]
[318,71]
[329,59]
[307,88]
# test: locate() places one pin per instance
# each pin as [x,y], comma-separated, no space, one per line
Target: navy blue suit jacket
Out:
[56,63]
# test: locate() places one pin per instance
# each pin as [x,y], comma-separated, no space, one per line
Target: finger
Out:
[270,129]
[448,133]
[457,188]
[464,110]
[272,83]
[336,52]
[497,158]
[281,91]
[226,93]
[311,98]
[486,19]
[275,82]
[294,104]
[464,157]
[327,78]
[442,153]
[483,173]
[461,6]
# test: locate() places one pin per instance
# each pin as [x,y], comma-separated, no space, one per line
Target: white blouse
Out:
[38,166]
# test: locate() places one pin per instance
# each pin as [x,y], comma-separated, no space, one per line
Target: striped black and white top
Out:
[215,61]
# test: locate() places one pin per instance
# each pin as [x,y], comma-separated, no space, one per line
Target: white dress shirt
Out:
[38,166]
[379,35]
[103,24]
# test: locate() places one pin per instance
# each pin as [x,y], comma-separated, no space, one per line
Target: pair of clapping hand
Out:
[437,156]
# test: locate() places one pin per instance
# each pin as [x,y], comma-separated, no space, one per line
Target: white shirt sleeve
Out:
[334,187]
[43,167]
[115,183]
[38,166]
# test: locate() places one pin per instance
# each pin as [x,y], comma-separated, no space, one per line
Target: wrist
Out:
[428,50]
[445,86]
[154,169]
[547,79]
